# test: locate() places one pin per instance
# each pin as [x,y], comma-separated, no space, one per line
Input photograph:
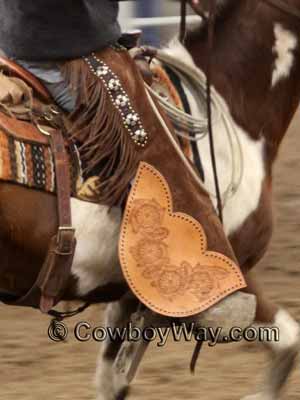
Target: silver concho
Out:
[103,70]
[132,119]
[114,84]
[120,99]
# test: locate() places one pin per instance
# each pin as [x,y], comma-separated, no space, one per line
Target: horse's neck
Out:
[236,152]
[256,71]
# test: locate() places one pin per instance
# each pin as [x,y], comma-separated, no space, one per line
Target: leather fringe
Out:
[104,143]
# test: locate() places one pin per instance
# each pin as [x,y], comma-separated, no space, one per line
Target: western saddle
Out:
[42,123]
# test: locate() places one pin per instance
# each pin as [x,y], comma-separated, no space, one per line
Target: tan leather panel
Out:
[164,254]
[22,130]
[15,69]
[12,90]
[5,167]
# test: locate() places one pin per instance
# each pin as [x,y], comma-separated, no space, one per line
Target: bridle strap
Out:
[182,35]
[284,7]
[211,31]
[210,43]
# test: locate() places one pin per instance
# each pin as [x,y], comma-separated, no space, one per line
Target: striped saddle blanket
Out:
[26,157]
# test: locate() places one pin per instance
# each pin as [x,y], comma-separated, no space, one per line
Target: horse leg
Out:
[109,385]
[283,352]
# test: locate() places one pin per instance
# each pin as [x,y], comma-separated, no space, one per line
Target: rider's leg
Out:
[51,76]
[199,205]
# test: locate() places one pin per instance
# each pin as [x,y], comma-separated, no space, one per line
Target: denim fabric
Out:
[50,75]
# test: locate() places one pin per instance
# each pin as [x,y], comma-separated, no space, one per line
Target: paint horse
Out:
[115,132]
[256,90]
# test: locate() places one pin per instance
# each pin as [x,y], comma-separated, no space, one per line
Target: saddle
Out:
[32,129]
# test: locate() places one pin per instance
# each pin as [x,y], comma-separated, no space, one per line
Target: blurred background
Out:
[158,19]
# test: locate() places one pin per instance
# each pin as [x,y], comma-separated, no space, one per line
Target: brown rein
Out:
[182,35]
[211,27]
[182,31]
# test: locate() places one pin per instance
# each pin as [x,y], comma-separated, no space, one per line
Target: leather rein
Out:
[182,35]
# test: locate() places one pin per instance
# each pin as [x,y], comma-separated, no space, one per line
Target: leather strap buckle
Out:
[42,130]
[65,240]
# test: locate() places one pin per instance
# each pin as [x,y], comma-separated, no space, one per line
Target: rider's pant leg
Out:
[51,76]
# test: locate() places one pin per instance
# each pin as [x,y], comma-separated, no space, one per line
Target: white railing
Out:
[158,21]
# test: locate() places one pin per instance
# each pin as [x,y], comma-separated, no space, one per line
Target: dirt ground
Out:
[33,367]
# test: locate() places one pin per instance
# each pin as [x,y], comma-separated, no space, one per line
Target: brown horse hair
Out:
[97,127]
[224,10]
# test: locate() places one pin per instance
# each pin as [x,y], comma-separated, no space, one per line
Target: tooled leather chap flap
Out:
[164,253]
